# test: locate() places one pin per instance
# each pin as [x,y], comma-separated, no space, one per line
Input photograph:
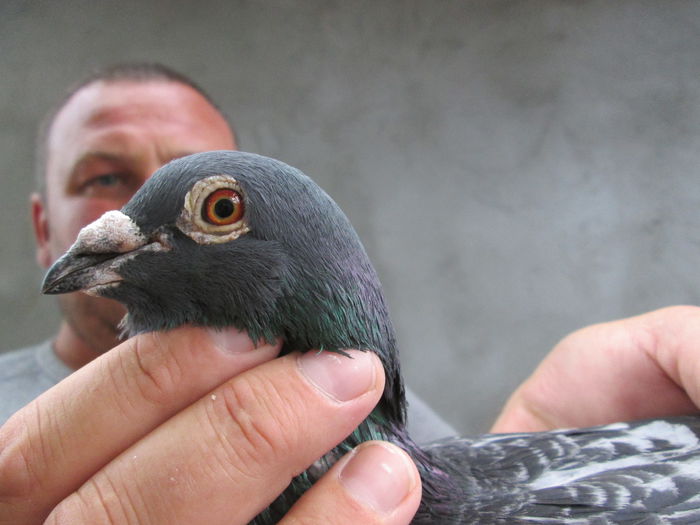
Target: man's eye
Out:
[107,180]
[107,185]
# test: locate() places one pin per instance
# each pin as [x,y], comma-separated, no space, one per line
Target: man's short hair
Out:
[128,71]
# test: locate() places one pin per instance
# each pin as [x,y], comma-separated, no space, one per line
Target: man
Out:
[97,149]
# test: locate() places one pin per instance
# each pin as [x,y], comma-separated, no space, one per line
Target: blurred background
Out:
[516,169]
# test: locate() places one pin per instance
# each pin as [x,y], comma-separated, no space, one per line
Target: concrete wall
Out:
[517,169]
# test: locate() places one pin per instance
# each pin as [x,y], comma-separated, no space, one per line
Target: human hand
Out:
[642,367]
[192,426]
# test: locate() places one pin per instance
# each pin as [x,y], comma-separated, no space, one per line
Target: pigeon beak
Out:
[92,262]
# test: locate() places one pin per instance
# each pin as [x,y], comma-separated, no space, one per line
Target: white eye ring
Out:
[191,222]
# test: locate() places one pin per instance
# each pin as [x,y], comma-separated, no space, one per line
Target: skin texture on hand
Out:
[197,426]
[641,367]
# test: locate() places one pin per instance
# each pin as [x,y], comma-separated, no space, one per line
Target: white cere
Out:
[113,232]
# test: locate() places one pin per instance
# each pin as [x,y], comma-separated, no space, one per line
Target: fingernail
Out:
[230,340]
[378,475]
[338,376]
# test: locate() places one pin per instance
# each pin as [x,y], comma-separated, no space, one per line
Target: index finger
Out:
[51,446]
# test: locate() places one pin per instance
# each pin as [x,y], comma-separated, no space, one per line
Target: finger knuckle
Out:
[95,502]
[156,378]
[261,425]
[22,455]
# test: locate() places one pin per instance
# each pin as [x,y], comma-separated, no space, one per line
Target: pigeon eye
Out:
[214,211]
[224,206]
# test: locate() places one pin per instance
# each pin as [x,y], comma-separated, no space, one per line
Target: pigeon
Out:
[230,238]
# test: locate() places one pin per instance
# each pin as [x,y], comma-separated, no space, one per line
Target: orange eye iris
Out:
[223,207]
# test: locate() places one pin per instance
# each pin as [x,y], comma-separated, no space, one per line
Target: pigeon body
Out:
[236,239]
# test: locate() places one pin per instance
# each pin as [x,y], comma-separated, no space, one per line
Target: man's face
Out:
[104,143]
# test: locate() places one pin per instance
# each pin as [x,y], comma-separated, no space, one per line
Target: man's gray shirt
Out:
[26,373]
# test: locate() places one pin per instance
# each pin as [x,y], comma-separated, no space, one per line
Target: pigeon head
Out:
[229,238]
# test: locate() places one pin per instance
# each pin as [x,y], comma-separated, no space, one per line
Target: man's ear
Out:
[41,230]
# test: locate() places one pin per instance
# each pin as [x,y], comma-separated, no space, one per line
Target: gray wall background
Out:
[516,169]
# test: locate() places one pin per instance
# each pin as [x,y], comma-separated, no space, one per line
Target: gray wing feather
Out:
[639,473]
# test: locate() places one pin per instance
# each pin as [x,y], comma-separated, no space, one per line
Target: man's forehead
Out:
[137,122]
[108,103]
